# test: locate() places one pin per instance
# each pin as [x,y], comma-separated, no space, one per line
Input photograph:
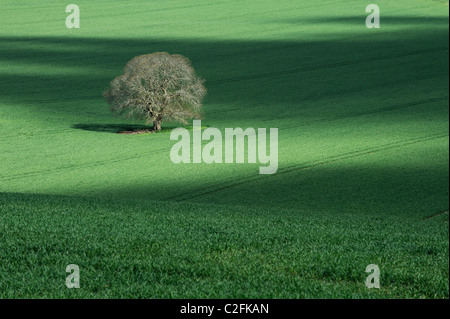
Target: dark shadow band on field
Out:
[244,72]
[375,190]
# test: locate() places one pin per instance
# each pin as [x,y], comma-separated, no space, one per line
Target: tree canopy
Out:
[157,88]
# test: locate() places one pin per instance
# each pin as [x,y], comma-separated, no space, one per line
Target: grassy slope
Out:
[363,119]
[167,250]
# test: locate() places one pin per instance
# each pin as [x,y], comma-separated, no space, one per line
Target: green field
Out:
[363,152]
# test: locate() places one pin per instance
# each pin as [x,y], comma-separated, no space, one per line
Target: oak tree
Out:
[157,88]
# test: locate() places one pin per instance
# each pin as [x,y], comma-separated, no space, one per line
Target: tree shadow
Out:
[128,128]
[110,128]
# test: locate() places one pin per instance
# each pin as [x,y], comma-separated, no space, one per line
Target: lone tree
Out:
[157,87]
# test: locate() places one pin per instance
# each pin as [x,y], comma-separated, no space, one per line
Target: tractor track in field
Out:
[39,133]
[327,66]
[73,167]
[373,111]
[436,215]
[43,133]
[315,97]
[123,159]
[301,166]
[356,114]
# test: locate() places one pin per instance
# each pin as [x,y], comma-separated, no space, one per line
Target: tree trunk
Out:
[157,125]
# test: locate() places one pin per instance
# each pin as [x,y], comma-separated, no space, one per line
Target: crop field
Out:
[363,152]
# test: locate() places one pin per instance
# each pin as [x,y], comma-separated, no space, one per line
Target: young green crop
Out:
[362,116]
